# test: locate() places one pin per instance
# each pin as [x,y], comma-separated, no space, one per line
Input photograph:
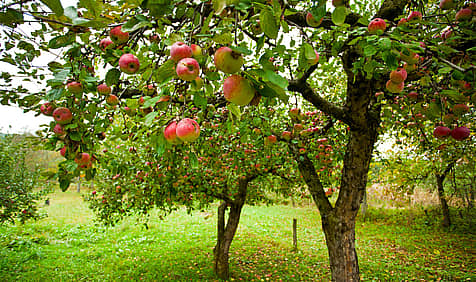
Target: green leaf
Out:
[159,142]
[370,50]
[390,59]
[112,77]
[70,165]
[135,23]
[193,160]
[338,15]
[54,94]
[11,17]
[71,12]
[75,136]
[242,50]
[199,101]
[64,184]
[277,79]
[62,41]
[235,110]
[385,43]
[151,102]
[318,12]
[150,117]
[268,23]
[454,95]
[166,71]
[55,6]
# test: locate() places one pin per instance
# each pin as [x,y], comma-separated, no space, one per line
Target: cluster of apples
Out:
[458,133]
[63,116]
[187,67]
[186,130]
[128,63]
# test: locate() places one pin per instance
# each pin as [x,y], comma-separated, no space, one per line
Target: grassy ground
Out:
[393,245]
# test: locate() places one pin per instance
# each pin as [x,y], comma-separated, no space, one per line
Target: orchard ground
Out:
[406,244]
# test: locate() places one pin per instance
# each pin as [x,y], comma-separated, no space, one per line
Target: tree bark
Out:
[226,233]
[441,196]
[338,222]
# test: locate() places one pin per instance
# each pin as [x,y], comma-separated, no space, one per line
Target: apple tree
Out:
[350,61]
[19,194]
[227,162]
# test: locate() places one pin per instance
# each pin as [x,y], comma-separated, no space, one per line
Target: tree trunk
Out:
[444,204]
[226,233]
[340,240]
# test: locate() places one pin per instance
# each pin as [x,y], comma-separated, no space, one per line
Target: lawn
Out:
[393,245]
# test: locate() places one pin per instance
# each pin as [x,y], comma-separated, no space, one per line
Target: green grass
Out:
[393,245]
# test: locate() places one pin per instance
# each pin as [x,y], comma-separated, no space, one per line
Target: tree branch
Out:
[301,86]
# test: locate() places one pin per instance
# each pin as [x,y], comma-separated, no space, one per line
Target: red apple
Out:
[413,95]
[297,128]
[415,15]
[104,43]
[402,22]
[272,139]
[129,63]
[441,132]
[59,130]
[375,25]
[460,133]
[294,113]
[103,89]
[75,87]
[83,159]
[460,109]
[180,50]
[464,14]
[112,100]
[196,50]
[62,115]
[398,76]
[187,130]
[227,60]
[170,133]
[286,135]
[446,4]
[47,108]
[63,151]
[117,36]
[238,90]
[395,87]
[187,69]
[311,21]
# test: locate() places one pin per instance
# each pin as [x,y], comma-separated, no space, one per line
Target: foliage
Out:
[19,195]
[346,85]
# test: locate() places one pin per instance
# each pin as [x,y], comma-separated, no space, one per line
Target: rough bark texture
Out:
[226,233]
[339,222]
[444,204]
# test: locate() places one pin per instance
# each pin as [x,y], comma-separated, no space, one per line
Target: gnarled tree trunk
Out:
[338,222]
[226,233]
